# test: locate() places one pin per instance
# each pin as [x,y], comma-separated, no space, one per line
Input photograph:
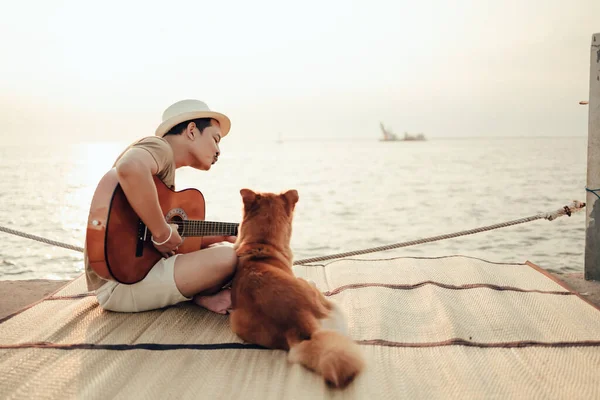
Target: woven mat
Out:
[450,327]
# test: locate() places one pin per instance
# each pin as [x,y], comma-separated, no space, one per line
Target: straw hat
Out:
[186,110]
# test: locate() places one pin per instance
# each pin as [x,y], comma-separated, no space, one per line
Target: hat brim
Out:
[223,120]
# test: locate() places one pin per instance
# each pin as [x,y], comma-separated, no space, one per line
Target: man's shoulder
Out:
[156,140]
[154,143]
[158,147]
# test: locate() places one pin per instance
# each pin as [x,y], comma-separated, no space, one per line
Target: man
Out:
[188,136]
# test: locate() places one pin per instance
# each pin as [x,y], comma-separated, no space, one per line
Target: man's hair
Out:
[201,124]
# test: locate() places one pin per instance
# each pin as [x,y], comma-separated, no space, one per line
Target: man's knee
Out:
[204,270]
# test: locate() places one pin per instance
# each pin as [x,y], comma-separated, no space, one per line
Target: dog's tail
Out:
[329,353]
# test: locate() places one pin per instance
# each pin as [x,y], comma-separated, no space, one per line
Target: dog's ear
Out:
[248,196]
[291,198]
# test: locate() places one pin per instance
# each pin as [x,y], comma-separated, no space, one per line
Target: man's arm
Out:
[135,170]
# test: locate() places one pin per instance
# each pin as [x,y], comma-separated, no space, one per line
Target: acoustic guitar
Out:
[118,243]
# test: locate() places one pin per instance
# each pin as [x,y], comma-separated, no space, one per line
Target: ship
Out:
[389,136]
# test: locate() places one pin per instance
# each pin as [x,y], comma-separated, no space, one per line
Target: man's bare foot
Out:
[219,303]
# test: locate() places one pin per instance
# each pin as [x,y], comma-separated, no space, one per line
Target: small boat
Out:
[389,136]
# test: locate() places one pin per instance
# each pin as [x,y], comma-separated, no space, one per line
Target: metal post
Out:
[592,221]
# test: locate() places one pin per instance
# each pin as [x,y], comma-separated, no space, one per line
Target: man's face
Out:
[205,147]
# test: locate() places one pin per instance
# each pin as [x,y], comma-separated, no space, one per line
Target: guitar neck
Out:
[189,228]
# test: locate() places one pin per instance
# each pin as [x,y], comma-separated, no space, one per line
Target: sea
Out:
[355,194]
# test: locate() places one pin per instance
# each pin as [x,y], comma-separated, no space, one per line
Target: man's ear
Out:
[189,130]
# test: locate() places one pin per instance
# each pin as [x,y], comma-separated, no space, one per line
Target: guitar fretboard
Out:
[206,228]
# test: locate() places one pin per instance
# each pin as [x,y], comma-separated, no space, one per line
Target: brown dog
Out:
[275,309]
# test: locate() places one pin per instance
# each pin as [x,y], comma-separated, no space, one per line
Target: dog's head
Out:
[267,217]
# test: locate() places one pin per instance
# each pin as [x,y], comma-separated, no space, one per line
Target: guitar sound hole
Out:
[178,216]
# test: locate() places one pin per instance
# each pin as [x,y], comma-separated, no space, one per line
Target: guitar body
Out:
[118,244]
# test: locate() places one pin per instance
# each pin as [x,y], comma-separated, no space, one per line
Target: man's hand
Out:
[168,241]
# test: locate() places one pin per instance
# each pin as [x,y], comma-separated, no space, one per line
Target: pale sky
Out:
[83,70]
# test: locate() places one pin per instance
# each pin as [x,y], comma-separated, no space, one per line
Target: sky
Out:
[79,71]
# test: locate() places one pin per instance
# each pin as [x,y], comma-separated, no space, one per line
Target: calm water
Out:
[354,194]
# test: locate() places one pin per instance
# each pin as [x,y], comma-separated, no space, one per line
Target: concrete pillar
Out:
[592,220]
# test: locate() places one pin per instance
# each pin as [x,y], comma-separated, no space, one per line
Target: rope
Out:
[575,206]
[593,191]
[41,239]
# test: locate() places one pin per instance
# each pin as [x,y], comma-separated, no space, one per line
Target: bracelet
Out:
[169,238]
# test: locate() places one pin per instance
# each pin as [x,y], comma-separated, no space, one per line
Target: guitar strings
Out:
[205,228]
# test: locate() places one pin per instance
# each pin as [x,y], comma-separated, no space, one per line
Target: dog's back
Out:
[275,309]
[277,300]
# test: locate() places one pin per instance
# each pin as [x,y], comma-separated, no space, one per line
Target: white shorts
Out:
[156,290]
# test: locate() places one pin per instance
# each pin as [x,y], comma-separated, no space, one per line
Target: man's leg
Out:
[202,274]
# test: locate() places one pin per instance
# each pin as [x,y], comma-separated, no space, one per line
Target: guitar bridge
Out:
[142,237]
